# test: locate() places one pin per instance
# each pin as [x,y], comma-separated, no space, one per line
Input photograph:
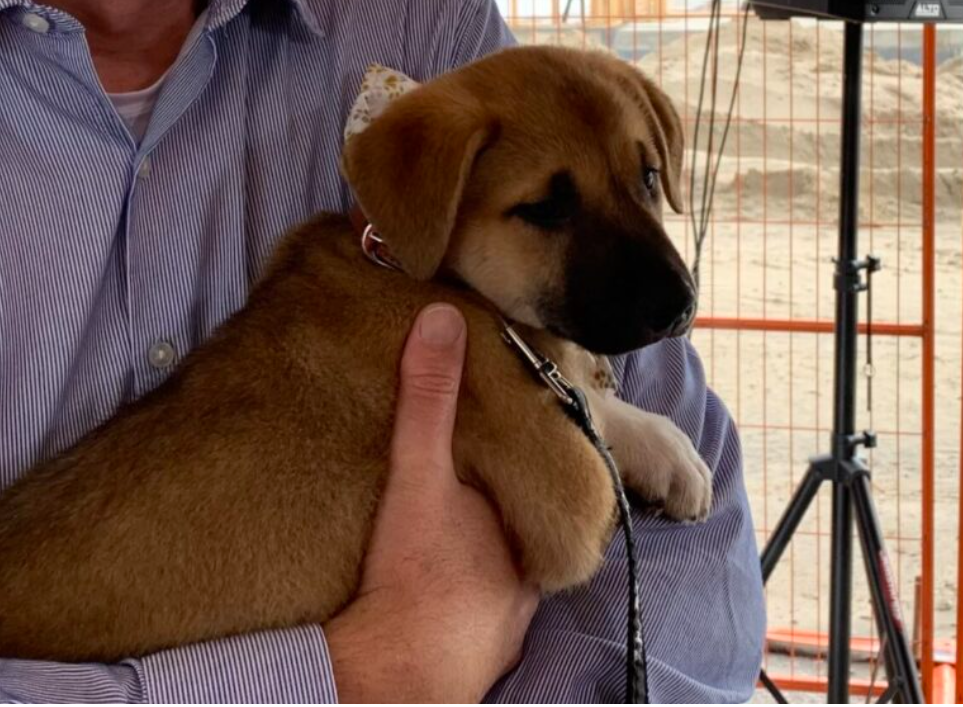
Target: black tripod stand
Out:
[842,468]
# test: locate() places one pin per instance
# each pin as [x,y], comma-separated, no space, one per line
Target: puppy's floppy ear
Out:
[409,168]
[669,139]
[664,124]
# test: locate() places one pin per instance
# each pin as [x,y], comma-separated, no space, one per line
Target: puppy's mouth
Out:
[621,337]
[613,320]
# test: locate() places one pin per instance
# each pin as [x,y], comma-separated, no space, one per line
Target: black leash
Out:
[575,405]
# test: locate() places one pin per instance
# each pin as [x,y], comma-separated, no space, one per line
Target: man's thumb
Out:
[431,369]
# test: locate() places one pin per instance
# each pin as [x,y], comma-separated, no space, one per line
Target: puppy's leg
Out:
[548,482]
[657,459]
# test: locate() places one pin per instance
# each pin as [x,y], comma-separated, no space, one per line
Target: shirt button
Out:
[35,23]
[161,355]
[143,172]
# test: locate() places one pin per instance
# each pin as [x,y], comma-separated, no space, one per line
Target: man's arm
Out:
[702,601]
[273,666]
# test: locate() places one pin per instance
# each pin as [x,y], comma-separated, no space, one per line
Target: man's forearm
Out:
[291,665]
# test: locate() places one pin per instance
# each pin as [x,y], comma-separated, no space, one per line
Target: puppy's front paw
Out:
[689,494]
[669,471]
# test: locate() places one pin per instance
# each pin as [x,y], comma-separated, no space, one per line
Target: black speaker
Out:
[858,11]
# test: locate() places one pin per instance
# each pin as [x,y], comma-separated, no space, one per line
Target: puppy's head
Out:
[537,176]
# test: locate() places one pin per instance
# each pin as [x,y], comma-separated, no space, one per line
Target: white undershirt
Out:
[135,107]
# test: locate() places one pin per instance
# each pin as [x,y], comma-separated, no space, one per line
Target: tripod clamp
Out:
[850,443]
[848,273]
[848,280]
[842,466]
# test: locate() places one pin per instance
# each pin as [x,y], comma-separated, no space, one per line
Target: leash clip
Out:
[545,367]
[375,250]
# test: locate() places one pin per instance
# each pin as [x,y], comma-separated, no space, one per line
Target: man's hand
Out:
[441,612]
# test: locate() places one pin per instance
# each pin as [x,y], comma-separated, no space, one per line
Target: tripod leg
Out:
[790,520]
[840,598]
[773,688]
[782,534]
[902,667]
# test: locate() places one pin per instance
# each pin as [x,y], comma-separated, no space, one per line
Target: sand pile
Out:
[784,142]
[568,36]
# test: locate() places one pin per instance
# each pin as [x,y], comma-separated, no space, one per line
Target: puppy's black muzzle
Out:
[625,288]
[674,317]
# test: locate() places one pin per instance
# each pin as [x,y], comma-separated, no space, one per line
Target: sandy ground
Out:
[778,388]
[769,255]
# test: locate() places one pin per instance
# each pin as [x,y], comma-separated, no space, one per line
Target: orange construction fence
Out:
[766,299]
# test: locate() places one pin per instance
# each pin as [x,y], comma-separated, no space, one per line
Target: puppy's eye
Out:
[554,211]
[650,177]
[549,214]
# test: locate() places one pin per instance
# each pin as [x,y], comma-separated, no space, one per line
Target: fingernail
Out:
[441,325]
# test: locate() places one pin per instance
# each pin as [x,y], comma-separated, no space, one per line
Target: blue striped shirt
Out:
[117,257]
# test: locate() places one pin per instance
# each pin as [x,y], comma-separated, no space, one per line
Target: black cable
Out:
[700,226]
[713,41]
[732,103]
[698,125]
[869,370]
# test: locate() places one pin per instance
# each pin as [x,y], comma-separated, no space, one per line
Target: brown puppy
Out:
[239,495]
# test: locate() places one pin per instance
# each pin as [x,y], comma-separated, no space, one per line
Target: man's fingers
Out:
[430,376]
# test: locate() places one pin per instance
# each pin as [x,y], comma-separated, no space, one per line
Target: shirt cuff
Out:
[290,666]
[44,682]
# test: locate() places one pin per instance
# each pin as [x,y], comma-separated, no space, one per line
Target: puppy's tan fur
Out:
[239,495]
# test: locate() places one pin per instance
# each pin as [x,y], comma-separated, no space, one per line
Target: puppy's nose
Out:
[683,321]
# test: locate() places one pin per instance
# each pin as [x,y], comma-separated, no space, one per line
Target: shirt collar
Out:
[220,12]
[223,11]
[59,19]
